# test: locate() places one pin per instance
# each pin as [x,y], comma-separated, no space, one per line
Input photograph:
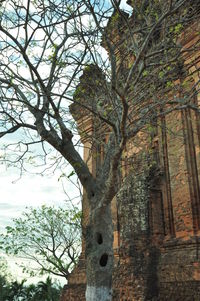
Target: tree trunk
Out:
[99,255]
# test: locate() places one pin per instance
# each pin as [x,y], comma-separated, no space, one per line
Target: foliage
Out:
[47,236]
[18,291]
[3,278]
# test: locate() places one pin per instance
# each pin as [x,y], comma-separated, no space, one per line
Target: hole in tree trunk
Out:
[99,238]
[103,260]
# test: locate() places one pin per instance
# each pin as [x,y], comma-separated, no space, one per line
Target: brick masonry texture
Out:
[156,217]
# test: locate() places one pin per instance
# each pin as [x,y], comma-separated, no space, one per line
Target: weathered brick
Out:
[156,215]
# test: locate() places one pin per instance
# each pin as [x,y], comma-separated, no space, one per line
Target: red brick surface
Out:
[157,232]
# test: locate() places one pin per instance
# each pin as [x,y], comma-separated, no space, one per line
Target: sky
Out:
[30,190]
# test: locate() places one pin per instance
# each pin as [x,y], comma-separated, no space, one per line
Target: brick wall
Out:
[156,215]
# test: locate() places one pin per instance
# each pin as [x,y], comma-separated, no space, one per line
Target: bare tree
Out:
[46,45]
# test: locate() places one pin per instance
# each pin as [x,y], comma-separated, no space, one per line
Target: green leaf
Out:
[71,174]
[145,73]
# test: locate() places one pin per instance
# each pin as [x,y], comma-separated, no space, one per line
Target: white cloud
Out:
[125,6]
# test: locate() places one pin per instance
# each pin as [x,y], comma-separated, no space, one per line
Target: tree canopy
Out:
[15,291]
[48,238]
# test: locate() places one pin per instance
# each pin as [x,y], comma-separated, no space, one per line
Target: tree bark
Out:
[99,255]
